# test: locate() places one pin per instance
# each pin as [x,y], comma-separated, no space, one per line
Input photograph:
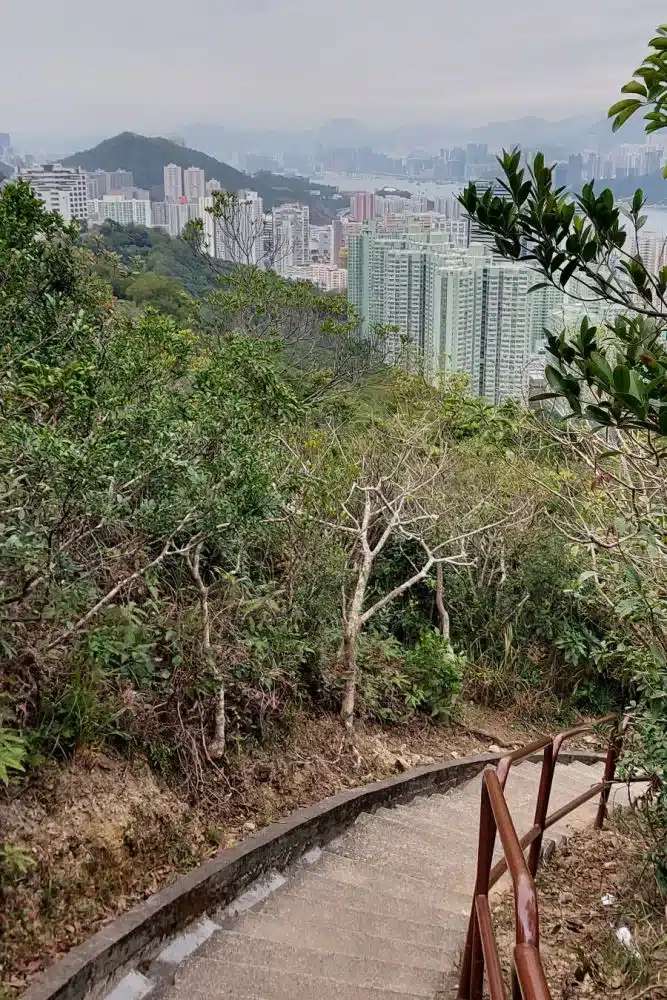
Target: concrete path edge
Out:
[92,968]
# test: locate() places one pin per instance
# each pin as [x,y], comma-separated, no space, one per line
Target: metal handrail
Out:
[481,950]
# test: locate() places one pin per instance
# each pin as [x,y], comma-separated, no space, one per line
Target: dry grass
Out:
[582,955]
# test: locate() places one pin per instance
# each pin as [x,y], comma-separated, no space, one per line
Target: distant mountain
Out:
[146,157]
[585,131]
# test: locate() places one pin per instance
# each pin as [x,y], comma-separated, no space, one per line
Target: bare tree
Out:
[409,504]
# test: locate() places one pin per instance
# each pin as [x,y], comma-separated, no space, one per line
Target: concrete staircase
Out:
[379,914]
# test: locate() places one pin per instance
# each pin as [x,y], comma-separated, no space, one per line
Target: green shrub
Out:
[433,674]
[84,713]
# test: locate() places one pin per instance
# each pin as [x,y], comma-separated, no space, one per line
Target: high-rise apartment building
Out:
[575,172]
[652,250]
[240,237]
[362,206]
[159,214]
[325,276]
[98,184]
[322,244]
[194,183]
[179,213]
[337,227]
[291,236]
[117,180]
[448,206]
[62,189]
[173,182]
[462,308]
[124,211]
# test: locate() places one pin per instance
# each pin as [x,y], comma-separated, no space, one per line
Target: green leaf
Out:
[567,272]
[634,87]
[556,380]
[599,415]
[626,105]
[637,385]
[621,378]
[601,368]
[623,116]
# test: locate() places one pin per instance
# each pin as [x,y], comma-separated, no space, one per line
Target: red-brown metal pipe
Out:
[613,753]
[542,807]
[528,980]
[494,974]
[525,899]
[530,973]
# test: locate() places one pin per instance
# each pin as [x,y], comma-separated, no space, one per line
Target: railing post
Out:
[613,753]
[471,983]
[542,807]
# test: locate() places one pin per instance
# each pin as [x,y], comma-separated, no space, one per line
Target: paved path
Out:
[380,914]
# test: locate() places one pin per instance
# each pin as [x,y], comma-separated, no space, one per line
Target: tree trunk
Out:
[217,747]
[440,601]
[350,663]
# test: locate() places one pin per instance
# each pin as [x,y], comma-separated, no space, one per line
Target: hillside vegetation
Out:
[223,513]
[187,512]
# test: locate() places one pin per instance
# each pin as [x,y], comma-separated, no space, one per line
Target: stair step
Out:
[383,974]
[381,914]
[307,912]
[461,823]
[388,881]
[422,835]
[239,979]
[371,900]
[329,935]
[592,772]
[445,869]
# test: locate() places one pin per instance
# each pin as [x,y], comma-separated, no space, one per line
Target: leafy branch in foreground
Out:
[647,89]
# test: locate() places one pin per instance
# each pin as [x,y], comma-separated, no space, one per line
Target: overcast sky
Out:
[79,67]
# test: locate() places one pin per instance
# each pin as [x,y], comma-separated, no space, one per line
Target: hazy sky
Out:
[76,66]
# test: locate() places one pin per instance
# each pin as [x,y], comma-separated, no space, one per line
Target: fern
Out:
[13,751]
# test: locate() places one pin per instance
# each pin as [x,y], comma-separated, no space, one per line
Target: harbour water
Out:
[656,221]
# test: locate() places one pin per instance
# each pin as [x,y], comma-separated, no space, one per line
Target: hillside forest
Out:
[223,513]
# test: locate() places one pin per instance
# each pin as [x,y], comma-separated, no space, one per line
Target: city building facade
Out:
[460,308]
[290,236]
[124,211]
[62,189]
[173,182]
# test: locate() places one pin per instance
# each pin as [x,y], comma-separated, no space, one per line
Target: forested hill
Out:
[146,157]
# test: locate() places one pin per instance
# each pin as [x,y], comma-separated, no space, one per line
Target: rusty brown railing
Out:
[481,951]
